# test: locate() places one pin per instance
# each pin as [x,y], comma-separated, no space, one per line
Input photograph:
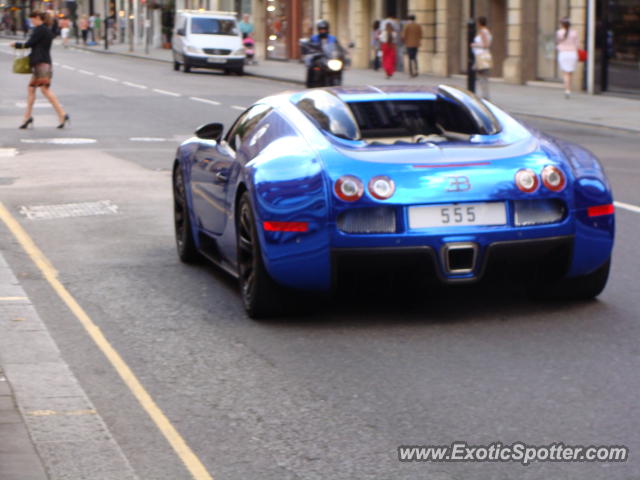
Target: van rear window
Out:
[213,26]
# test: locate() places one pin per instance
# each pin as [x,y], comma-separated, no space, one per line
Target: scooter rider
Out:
[323,34]
[318,42]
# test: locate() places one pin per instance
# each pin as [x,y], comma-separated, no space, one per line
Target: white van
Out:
[207,39]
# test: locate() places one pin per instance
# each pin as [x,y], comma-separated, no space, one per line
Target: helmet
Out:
[322,25]
[323,28]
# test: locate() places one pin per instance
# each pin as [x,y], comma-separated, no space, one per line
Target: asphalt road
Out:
[330,394]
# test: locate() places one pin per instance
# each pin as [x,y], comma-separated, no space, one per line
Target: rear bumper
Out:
[514,259]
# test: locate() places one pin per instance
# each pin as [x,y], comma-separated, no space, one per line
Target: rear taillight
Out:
[285,226]
[349,188]
[381,187]
[600,210]
[527,180]
[553,178]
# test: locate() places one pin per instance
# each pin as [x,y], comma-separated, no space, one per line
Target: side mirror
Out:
[210,131]
[181,32]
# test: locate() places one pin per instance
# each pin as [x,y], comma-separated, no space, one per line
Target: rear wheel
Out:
[260,294]
[186,68]
[184,235]
[176,65]
[584,287]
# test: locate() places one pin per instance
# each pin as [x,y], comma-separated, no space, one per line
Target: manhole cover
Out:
[66,210]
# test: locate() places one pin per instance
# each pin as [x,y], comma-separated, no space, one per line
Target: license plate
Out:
[217,60]
[457,214]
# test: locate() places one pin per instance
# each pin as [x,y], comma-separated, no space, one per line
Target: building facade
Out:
[523,35]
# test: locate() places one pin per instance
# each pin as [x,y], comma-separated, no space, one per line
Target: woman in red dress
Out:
[388,38]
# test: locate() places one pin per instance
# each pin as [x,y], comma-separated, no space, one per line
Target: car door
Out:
[214,164]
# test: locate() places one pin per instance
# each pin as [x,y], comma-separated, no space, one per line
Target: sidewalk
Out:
[18,457]
[539,100]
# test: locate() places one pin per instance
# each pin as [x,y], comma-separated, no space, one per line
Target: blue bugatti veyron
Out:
[307,185]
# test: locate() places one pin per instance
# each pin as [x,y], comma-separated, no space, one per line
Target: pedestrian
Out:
[64,31]
[97,28]
[412,36]
[388,40]
[567,46]
[83,26]
[92,30]
[375,44]
[246,27]
[482,53]
[40,60]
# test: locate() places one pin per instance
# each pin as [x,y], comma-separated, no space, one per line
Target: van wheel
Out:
[176,65]
[186,68]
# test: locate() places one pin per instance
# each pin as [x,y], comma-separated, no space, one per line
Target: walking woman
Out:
[388,39]
[567,45]
[40,58]
[482,52]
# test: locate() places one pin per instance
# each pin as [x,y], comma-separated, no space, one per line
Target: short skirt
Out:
[567,61]
[42,74]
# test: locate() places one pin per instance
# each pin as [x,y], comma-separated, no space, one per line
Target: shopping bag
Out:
[21,64]
[484,61]
[582,55]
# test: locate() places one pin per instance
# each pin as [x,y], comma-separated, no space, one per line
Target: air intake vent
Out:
[368,220]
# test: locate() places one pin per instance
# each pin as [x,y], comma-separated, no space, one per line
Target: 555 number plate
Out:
[457,214]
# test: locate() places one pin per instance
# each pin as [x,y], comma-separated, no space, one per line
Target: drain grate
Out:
[66,210]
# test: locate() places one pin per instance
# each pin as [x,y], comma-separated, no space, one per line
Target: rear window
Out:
[213,26]
[410,118]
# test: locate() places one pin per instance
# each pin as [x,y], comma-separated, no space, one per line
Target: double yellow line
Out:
[184,452]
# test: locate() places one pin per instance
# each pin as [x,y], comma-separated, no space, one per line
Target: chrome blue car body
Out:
[289,150]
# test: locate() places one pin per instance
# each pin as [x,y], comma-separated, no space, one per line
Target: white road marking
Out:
[135,85]
[149,139]
[238,107]
[111,79]
[204,100]
[68,67]
[38,104]
[165,92]
[8,152]
[627,206]
[66,210]
[60,141]
[86,72]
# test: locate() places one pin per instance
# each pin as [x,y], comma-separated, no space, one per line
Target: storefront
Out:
[618,46]
[286,22]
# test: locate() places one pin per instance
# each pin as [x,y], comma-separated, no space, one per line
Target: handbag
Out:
[582,55]
[21,64]
[484,61]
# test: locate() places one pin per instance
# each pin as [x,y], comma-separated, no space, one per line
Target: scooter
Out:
[324,62]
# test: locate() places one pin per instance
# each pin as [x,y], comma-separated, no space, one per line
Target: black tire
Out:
[176,65]
[261,296]
[239,71]
[186,68]
[584,287]
[185,244]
